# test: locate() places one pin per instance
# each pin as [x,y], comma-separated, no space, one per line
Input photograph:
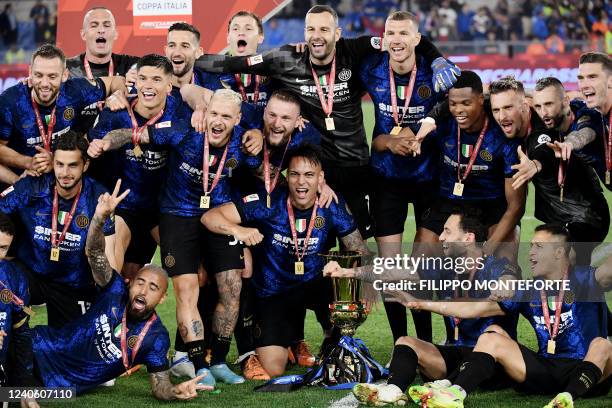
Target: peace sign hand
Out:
[108,202]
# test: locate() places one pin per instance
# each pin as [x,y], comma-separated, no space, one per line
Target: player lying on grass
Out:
[121,329]
[460,239]
[573,359]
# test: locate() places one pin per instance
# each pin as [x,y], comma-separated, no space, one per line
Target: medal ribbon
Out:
[55,242]
[206,164]
[46,136]
[141,336]
[136,130]
[331,81]
[558,302]
[270,186]
[474,154]
[398,121]
[243,92]
[111,72]
[294,232]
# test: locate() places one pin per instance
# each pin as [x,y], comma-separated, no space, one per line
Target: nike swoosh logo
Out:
[299,81]
[368,227]
[41,214]
[380,89]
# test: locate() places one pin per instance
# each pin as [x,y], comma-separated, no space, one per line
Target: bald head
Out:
[99,32]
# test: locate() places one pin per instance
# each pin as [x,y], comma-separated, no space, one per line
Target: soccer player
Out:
[326,81]
[199,167]
[566,192]
[572,354]
[99,34]
[15,335]
[595,81]
[578,125]
[462,240]
[399,81]
[142,168]
[55,211]
[287,267]
[31,117]
[120,330]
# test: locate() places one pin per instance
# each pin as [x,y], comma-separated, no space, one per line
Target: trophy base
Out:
[348,316]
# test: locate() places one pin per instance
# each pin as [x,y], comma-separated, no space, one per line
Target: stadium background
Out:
[529,39]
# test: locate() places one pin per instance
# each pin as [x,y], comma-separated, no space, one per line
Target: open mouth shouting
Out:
[317,46]
[397,51]
[301,192]
[148,95]
[507,126]
[139,304]
[241,46]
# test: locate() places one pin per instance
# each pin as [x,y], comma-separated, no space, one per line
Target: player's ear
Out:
[417,38]
[199,52]
[338,33]
[260,38]
[298,121]
[163,298]
[65,75]
[82,34]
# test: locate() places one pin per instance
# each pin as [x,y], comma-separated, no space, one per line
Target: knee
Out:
[229,284]
[186,292]
[497,329]
[492,343]
[600,349]
[275,370]
[405,341]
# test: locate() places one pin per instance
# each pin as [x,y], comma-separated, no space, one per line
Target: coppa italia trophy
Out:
[344,359]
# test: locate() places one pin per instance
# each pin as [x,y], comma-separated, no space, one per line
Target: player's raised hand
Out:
[97,147]
[29,403]
[445,74]
[189,389]
[562,150]
[525,170]
[428,125]
[300,47]
[131,76]
[42,161]
[301,123]
[108,202]
[2,335]
[252,142]
[250,236]
[326,195]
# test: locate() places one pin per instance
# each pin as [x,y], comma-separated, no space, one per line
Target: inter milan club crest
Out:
[6,296]
[568,297]
[231,163]
[300,225]
[69,113]
[466,150]
[131,341]
[319,222]
[486,156]
[345,74]
[169,261]
[424,92]
[82,221]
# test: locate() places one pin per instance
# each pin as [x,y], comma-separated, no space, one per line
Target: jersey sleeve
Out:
[89,93]
[427,49]
[268,63]
[344,223]
[6,115]
[588,119]
[109,226]
[103,125]
[510,156]
[310,134]
[16,196]
[510,306]
[363,46]
[440,112]
[252,207]
[156,358]
[169,136]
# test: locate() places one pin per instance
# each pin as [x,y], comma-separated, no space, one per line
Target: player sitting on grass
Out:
[121,329]
[462,233]
[573,357]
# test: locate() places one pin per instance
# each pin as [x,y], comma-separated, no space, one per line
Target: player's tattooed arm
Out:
[354,242]
[95,246]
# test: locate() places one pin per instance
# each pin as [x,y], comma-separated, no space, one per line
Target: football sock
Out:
[196,352]
[243,332]
[396,315]
[403,367]
[219,346]
[477,368]
[422,324]
[586,376]
[179,344]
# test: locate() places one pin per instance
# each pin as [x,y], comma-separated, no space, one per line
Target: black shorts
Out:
[278,319]
[551,375]
[185,243]
[489,211]
[354,185]
[142,245]
[64,303]
[390,204]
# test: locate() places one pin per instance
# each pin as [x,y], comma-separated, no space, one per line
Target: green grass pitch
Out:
[134,391]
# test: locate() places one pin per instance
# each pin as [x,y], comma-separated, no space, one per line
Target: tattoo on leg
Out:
[182,330]
[226,312]
[196,326]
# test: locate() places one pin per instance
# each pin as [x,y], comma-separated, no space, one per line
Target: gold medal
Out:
[329,123]
[299,268]
[268,200]
[396,130]
[204,201]
[608,177]
[54,254]
[137,151]
[458,189]
[456,332]
[550,347]
[561,194]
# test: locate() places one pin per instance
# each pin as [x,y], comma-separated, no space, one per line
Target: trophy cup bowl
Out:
[347,310]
